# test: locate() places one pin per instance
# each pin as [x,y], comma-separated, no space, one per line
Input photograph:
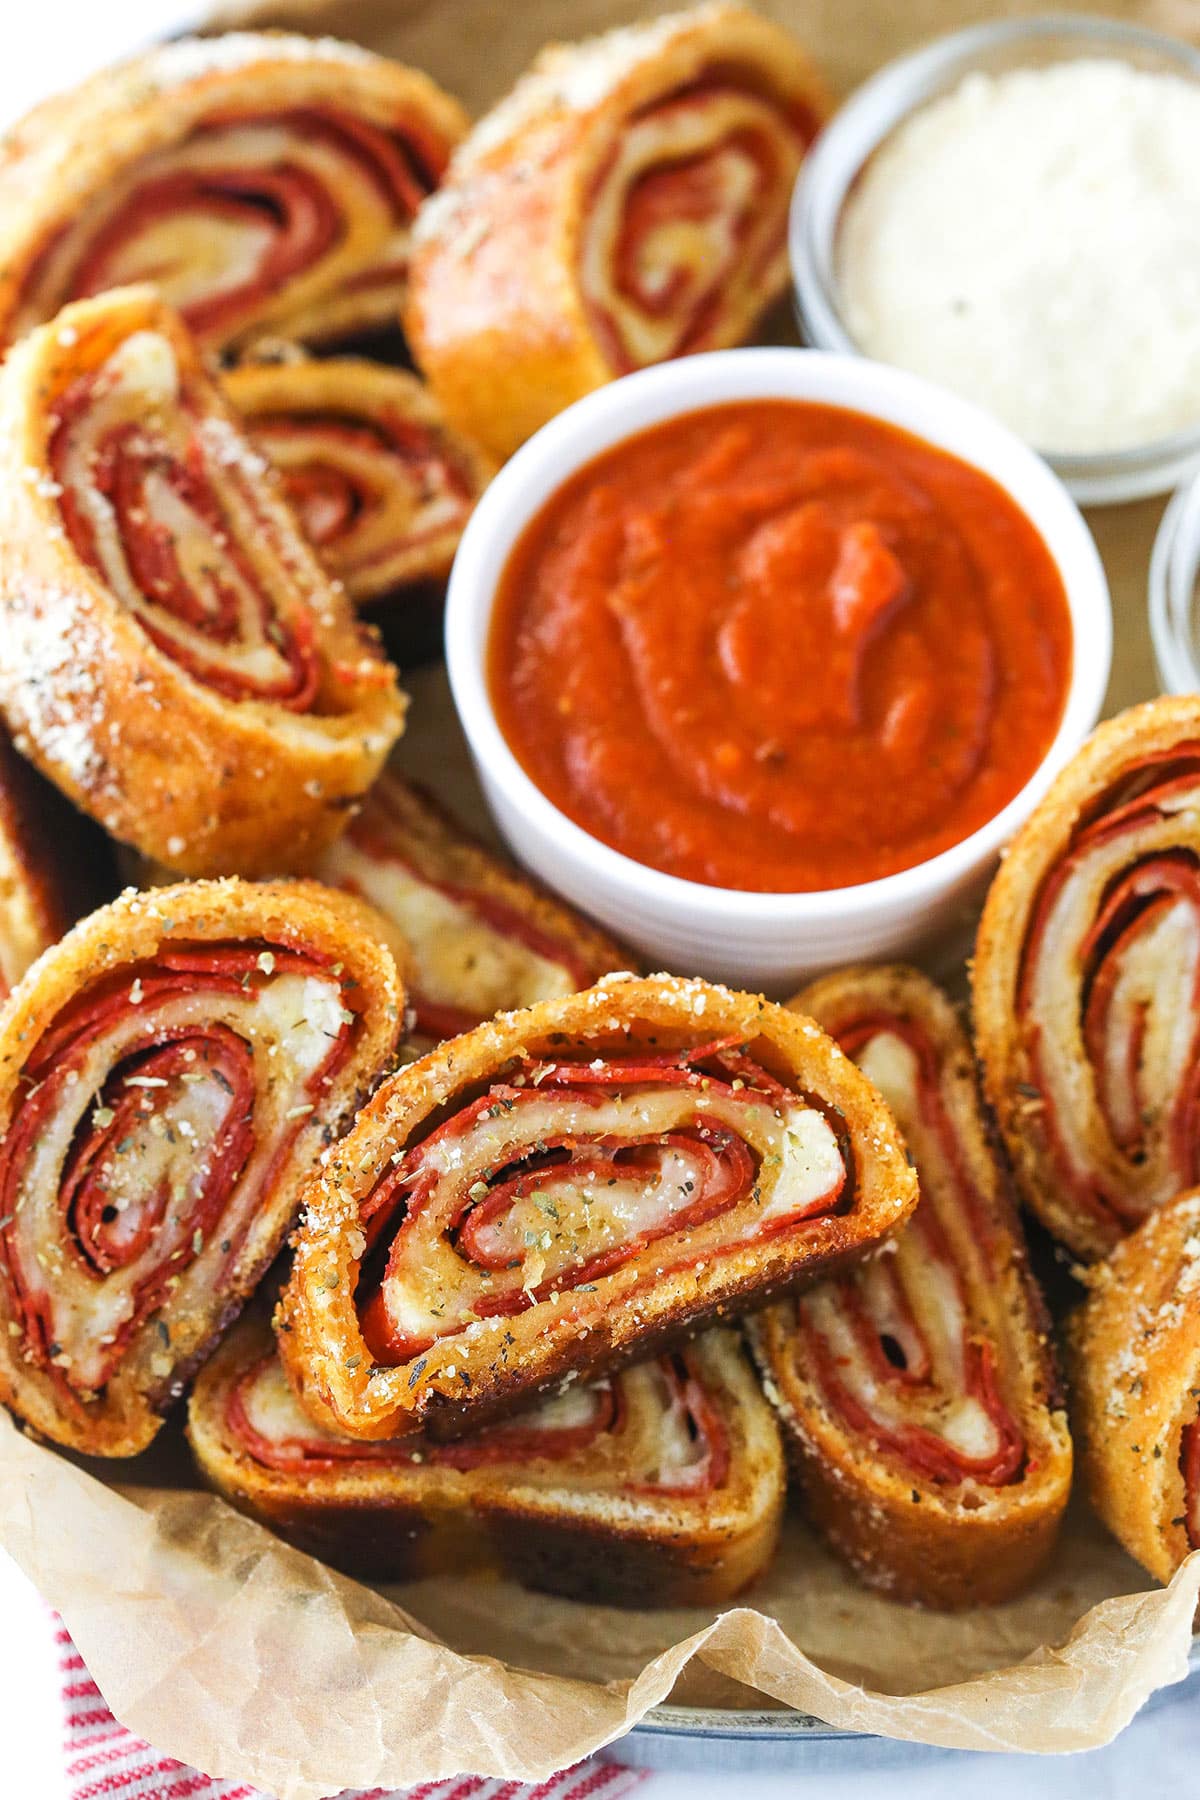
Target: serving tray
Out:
[476,49]
[477,60]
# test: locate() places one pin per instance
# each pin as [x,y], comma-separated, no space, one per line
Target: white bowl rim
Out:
[636,402]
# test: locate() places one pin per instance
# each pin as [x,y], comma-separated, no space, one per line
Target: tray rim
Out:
[754,1724]
[773,1725]
[666,1722]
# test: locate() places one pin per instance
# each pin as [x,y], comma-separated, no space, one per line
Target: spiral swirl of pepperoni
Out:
[693,197]
[159,500]
[380,487]
[626,202]
[1109,993]
[254,218]
[905,1349]
[157,1109]
[1087,981]
[563,1173]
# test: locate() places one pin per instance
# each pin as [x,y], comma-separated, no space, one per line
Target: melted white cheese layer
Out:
[459,959]
[907,1287]
[430,1287]
[1158,972]
[682,256]
[290,1024]
[138,389]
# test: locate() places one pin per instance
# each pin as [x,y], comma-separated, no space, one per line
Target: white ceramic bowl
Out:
[768,941]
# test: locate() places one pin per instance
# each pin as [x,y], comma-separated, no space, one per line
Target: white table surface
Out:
[46,44]
[30,1709]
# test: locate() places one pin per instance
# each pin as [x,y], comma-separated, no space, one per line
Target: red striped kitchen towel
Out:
[106,1762]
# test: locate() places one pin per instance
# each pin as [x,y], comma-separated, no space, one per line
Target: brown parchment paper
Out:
[226,1649]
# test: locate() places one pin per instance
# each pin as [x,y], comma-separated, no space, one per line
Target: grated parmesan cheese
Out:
[1032,240]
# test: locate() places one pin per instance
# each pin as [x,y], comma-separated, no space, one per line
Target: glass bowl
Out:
[888,99]
[1175,593]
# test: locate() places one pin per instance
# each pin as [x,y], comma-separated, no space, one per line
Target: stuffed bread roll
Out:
[475,937]
[661,1485]
[174,659]
[918,1392]
[53,866]
[1134,1364]
[168,1074]
[566,1188]
[267,183]
[381,488]
[1086,978]
[626,203]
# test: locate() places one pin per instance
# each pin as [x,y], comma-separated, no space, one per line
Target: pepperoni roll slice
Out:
[267,184]
[169,1073]
[53,866]
[918,1392]
[381,488]
[475,937]
[1134,1362]
[174,658]
[566,1187]
[1087,982]
[661,1485]
[626,203]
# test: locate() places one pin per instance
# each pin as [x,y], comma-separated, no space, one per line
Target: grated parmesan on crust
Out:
[193,58]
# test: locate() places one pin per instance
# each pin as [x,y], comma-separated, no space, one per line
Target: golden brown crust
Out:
[67,157]
[412,481]
[945,1544]
[577,1525]
[496,313]
[478,937]
[215,1278]
[1082,1210]
[1134,1363]
[621,1315]
[198,781]
[53,866]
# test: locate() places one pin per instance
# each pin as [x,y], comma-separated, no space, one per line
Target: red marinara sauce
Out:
[779,646]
